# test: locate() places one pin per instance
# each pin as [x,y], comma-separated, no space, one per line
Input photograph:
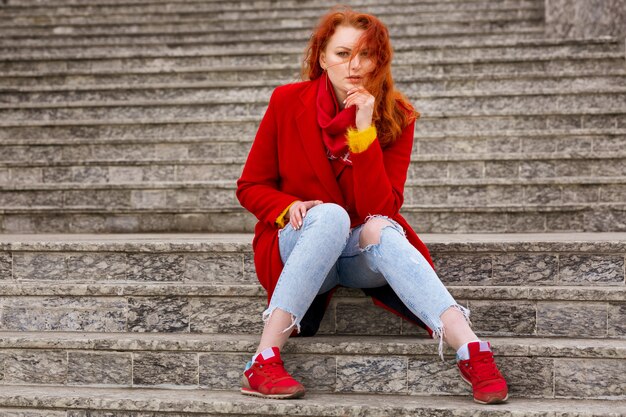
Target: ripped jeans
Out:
[325,252]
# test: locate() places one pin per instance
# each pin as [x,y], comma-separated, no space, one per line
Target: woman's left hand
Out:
[364,102]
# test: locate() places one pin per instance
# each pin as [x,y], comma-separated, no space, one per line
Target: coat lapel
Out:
[311,138]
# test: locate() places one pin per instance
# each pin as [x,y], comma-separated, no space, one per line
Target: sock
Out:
[265,354]
[463,354]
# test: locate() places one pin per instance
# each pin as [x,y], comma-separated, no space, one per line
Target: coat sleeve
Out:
[379,175]
[257,188]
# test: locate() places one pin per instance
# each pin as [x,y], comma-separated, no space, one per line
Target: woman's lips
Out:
[354,78]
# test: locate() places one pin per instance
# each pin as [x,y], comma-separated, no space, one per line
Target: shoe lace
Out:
[274,370]
[485,367]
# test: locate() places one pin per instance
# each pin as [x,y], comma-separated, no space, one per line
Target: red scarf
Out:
[334,122]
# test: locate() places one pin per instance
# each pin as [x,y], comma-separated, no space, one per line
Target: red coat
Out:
[288,162]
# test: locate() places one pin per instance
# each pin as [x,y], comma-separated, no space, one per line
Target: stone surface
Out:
[503,318]
[363,317]
[574,320]
[182,403]
[617,319]
[372,374]
[99,368]
[97,266]
[64,314]
[585,19]
[227,315]
[528,376]
[165,368]
[161,267]
[217,268]
[222,371]
[6,266]
[40,266]
[158,314]
[525,269]
[428,376]
[463,269]
[320,373]
[589,269]
[590,378]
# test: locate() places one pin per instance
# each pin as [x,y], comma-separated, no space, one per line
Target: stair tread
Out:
[568,208]
[252,84]
[231,183]
[169,53]
[27,72]
[615,292]
[76,138]
[474,43]
[63,41]
[339,345]
[513,157]
[613,241]
[313,404]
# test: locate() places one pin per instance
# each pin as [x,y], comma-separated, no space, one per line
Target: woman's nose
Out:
[355,63]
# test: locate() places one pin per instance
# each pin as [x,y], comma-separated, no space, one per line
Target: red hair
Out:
[392,111]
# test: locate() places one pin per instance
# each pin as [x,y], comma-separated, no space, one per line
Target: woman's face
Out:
[335,58]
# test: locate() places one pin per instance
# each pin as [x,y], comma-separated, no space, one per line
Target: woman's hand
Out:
[364,103]
[298,210]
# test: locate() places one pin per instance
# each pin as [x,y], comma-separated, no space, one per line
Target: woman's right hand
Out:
[298,210]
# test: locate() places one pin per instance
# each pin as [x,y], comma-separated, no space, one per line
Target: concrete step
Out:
[450,40]
[45,146]
[569,261]
[297,18]
[529,311]
[240,11]
[578,264]
[570,107]
[604,63]
[533,367]
[454,123]
[147,170]
[59,141]
[469,135]
[219,195]
[487,22]
[511,218]
[405,53]
[258,91]
[515,285]
[222,5]
[260,37]
[293,38]
[121,402]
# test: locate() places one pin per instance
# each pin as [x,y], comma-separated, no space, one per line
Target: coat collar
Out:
[311,137]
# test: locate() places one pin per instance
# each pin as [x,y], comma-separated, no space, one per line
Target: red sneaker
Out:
[268,378]
[481,372]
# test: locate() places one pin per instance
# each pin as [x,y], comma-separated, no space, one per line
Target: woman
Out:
[325,177]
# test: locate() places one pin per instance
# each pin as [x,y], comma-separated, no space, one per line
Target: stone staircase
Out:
[136,116]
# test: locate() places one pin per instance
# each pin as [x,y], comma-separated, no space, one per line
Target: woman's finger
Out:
[296,219]
[302,213]
[357,100]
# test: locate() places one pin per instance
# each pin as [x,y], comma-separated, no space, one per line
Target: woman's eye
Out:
[340,53]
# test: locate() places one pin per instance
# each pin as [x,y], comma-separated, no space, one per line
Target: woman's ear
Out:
[323,60]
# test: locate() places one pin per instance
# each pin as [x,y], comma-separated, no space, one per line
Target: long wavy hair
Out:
[392,110]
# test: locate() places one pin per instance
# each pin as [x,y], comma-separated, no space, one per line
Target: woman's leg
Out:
[388,253]
[308,256]
[385,250]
